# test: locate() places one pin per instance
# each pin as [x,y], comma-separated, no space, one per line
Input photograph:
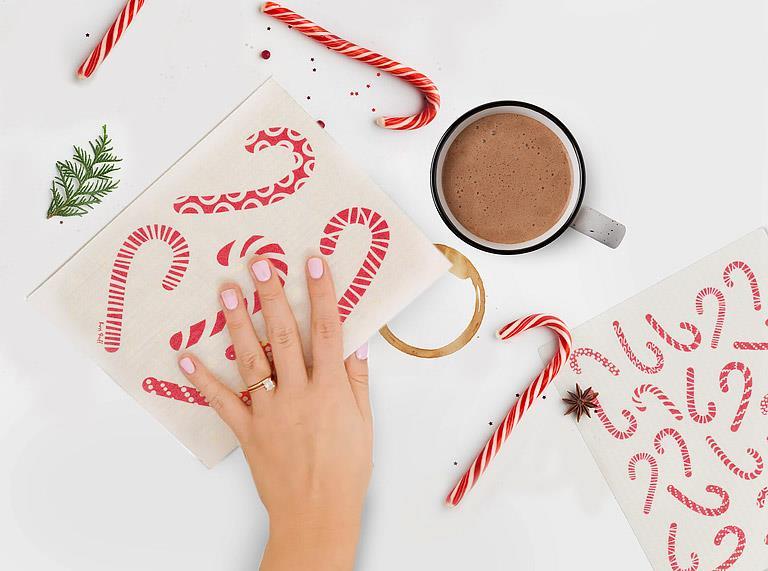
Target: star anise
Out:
[580,402]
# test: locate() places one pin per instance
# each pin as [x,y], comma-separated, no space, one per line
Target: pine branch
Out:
[82,182]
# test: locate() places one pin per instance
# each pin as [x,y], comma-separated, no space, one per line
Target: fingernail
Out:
[261,270]
[362,352]
[229,297]
[315,267]
[187,364]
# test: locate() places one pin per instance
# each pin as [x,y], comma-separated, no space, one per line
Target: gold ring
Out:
[268,383]
[463,269]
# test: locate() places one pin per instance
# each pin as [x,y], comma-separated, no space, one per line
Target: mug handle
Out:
[599,227]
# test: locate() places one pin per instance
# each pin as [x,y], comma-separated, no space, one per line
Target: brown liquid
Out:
[507,178]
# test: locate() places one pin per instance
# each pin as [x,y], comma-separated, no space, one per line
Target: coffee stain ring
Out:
[463,269]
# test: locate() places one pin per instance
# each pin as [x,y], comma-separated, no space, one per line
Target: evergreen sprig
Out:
[84,180]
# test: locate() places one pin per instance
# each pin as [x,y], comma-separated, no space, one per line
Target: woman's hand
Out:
[308,442]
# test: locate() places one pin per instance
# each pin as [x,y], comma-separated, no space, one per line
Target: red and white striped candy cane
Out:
[377,250]
[745,395]
[672,552]
[762,496]
[109,40]
[672,342]
[181,393]
[690,398]
[741,542]
[681,444]
[654,477]
[764,405]
[731,465]
[335,43]
[659,394]
[573,361]
[751,345]
[648,369]
[122,264]
[611,428]
[739,265]
[725,501]
[718,295]
[530,394]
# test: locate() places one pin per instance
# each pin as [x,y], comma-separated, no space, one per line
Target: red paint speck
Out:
[368,85]
[357,93]
[266,54]
[314,69]
[378,74]
[311,59]
[373,109]
[321,123]
[351,92]
[308,97]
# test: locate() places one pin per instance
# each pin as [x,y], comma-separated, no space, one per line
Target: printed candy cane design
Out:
[745,396]
[718,295]
[122,265]
[751,345]
[739,265]
[654,479]
[678,438]
[725,500]
[181,393]
[761,497]
[573,361]
[764,406]
[741,541]
[650,370]
[611,428]
[690,381]
[672,552]
[674,343]
[659,394]
[210,327]
[728,463]
[303,166]
[373,259]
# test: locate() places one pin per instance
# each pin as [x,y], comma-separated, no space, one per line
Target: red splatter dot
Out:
[373,109]
[311,59]
[308,97]
[266,54]
[314,69]
[351,92]
[321,123]
[357,93]
[378,74]
[268,28]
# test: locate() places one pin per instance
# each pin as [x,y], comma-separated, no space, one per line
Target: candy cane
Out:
[303,167]
[377,250]
[745,396]
[690,398]
[659,394]
[654,479]
[725,500]
[678,438]
[122,264]
[181,393]
[611,428]
[741,542]
[739,265]
[718,295]
[751,345]
[728,463]
[761,497]
[650,370]
[672,552]
[764,405]
[674,343]
[211,327]
[573,361]
[111,37]
[530,394]
[335,43]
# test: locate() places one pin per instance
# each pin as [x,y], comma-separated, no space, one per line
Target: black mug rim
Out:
[439,149]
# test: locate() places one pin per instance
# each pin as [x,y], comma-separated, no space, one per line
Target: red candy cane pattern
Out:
[377,250]
[678,438]
[181,393]
[573,361]
[741,541]
[335,43]
[674,343]
[725,501]
[731,465]
[611,428]
[746,394]
[654,477]
[303,167]
[761,497]
[659,394]
[529,396]
[672,552]
[718,295]
[690,398]
[751,345]
[650,370]
[739,265]
[764,405]
[122,264]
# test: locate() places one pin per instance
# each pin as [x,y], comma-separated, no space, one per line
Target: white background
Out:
[668,101]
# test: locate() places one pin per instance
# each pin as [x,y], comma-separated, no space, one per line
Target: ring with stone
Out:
[268,383]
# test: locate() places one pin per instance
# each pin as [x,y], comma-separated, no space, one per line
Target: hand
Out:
[308,442]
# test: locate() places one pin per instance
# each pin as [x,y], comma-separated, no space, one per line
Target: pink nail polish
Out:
[362,352]
[315,267]
[187,365]
[261,270]
[229,297]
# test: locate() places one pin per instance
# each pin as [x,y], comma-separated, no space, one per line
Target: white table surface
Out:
[668,101]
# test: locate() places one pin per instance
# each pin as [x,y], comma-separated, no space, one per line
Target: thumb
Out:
[357,372]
